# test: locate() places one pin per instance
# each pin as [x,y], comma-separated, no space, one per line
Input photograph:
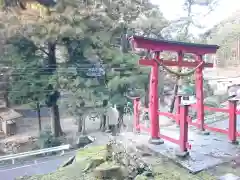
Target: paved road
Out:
[42,166]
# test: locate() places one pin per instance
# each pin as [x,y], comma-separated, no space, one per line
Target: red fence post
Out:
[177,106]
[183,140]
[136,114]
[232,129]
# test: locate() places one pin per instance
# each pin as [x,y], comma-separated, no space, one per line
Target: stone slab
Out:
[206,152]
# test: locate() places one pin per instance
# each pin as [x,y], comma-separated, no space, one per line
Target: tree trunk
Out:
[175,90]
[84,125]
[6,89]
[52,63]
[161,87]
[39,117]
[58,123]
[104,116]
[120,121]
[71,46]
[55,121]
[6,100]
[124,42]
[80,124]
[103,122]
[120,118]
[146,97]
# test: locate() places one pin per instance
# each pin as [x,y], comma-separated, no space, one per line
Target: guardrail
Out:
[35,152]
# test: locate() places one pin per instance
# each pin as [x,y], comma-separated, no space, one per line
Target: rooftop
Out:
[8,114]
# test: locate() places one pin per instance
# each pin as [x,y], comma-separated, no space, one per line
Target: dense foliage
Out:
[79,48]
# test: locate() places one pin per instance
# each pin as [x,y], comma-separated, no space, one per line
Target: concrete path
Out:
[206,152]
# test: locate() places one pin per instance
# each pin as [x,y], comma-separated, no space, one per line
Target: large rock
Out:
[108,170]
[141,177]
[83,141]
[93,163]
[68,162]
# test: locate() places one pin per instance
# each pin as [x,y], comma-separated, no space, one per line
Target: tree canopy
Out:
[227,35]
[70,41]
[81,49]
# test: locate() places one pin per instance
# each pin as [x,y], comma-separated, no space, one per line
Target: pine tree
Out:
[104,44]
[27,84]
[152,24]
[92,34]
[30,24]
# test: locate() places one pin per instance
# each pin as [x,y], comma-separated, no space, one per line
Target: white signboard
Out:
[192,100]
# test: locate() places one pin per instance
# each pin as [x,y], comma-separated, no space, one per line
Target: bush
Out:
[208,91]
[215,101]
[47,140]
[212,101]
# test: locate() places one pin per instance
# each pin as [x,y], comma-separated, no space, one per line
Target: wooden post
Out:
[183,127]
[183,140]
[232,129]
[177,105]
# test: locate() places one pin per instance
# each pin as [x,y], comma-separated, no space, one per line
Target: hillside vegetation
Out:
[112,162]
[227,35]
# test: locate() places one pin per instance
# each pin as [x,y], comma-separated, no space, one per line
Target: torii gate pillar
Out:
[200,95]
[153,103]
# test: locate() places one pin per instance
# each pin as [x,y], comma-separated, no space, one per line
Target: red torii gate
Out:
[158,46]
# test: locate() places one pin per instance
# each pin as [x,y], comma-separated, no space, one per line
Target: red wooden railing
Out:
[183,139]
[183,120]
[232,126]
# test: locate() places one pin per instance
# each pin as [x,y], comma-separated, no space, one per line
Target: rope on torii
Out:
[178,74]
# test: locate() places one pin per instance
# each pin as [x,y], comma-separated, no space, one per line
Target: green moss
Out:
[90,152]
[107,164]
[206,176]
[167,170]
[163,168]
[74,171]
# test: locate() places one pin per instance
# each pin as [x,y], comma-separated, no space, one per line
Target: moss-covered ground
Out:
[163,169]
